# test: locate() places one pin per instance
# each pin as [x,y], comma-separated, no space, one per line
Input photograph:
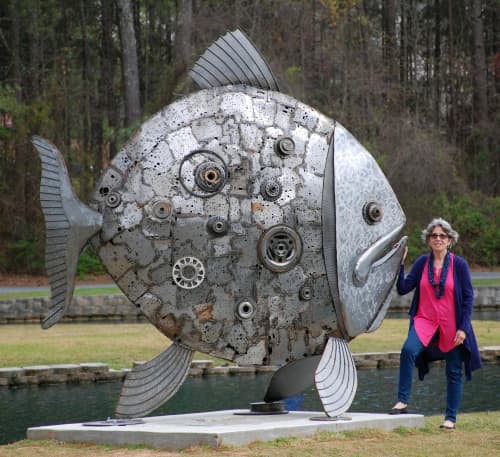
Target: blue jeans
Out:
[410,351]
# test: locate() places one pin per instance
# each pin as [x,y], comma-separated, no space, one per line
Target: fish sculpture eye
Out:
[373,213]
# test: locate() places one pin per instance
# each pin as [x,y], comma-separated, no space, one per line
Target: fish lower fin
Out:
[233,59]
[291,379]
[68,223]
[336,377]
[151,384]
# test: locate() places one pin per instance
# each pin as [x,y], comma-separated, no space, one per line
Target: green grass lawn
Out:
[119,344]
[485,282]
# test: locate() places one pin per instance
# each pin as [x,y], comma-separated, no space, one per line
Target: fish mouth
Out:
[376,255]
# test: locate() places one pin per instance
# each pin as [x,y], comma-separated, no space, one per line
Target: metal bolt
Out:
[372,213]
[306,293]
[245,309]
[218,225]
[113,199]
[285,146]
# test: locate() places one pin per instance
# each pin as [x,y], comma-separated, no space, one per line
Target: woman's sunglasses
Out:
[441,236]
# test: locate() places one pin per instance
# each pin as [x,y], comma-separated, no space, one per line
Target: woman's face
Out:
[438,240]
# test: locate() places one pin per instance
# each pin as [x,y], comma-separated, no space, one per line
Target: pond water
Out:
[56,404]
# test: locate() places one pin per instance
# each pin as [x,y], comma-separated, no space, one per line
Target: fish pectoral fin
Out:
[336,377]
[233,59]
[69,224]
[291,379]
[374,256]
[151,384]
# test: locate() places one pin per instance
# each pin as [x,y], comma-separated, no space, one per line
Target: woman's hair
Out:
[452,234]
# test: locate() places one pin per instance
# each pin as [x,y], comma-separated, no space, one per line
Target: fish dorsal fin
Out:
[69,225]
[151,384]
[336,377]
[233,59]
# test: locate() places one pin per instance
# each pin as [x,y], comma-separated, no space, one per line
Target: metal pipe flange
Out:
[280,248]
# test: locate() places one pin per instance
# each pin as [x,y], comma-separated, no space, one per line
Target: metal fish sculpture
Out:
[243,224]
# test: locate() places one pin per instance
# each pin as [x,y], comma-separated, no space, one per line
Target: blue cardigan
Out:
[464,300]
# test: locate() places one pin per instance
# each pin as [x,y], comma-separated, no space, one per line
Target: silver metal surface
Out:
[291,379]
[233,59]
[243,224]
[69,224]
[151,384]
[363,282]
[336,377]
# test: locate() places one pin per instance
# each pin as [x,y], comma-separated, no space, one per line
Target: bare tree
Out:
[479,64]
[182,42]
[130,67]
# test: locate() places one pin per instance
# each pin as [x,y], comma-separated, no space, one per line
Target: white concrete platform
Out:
[217,428]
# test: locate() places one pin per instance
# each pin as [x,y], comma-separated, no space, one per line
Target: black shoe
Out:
[395,411]
[448,427]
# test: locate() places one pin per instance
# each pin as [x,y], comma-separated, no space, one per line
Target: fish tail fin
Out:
[69,225]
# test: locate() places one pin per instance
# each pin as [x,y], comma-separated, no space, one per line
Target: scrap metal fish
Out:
[244,224]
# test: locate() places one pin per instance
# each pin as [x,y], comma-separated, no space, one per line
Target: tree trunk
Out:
[34,52]
[107,107]
[389,38]
[182,43]
[437,57]
[479,65]
[130,67]
[84,149]
[452,101]
[480,159]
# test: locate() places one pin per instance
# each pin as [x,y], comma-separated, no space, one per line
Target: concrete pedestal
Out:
[217,428]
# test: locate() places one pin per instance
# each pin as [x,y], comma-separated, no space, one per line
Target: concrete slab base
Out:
[218,428]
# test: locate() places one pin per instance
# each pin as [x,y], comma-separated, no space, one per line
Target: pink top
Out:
[436,313]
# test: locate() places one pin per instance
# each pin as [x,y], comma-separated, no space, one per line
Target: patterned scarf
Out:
[438,288]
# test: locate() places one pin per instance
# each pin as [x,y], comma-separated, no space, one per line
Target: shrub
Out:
[89,263]
[23,256]
[475,218]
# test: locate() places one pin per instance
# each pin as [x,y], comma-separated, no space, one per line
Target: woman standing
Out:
[440,318]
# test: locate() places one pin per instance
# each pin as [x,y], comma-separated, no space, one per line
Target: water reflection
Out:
[33,406]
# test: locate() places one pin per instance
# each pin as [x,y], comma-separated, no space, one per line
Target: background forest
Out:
[416,81]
